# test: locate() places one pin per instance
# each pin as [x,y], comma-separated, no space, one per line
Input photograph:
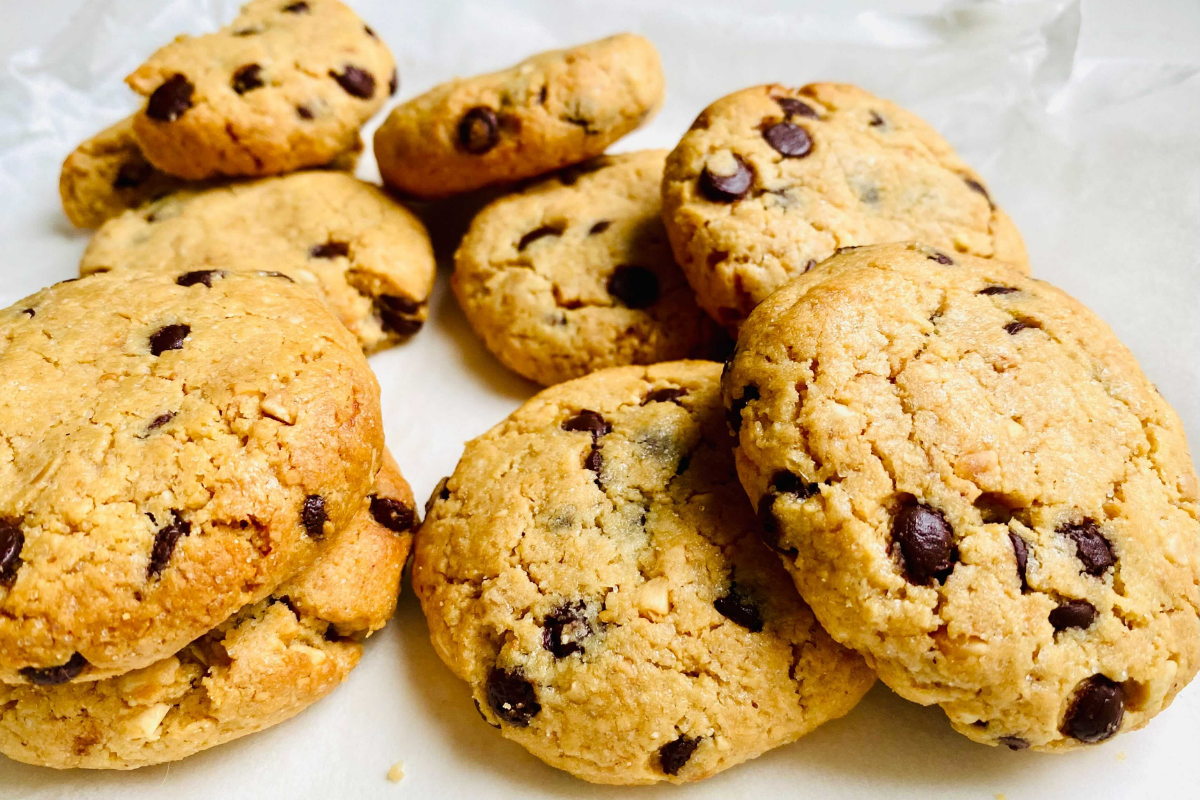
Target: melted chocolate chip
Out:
[565,628]
[734,415]
[789,140]
[512,697]
[1016,326]
[668,394]
[304,112]
[393,83]
[392,514]
[635,287]
[167,338]
[1091,547]
[330,249]
[926,543]
[538,233]
[30,312]
[160,420]
[399,315]
[53,676]
[478,130]
[727,188]
[594,462]
[170,100]
[599,227]
[201,276]
[1014,742]
[942,258]
[796,108]
[164,543]
[791,483]
[1073,614]
[313,516]
[1021,553]
[296,8]
[876,120]
[994,290]
[674,755]
[357,82]
[737,607]
[976,186]
[132,174]
[12,539]
[247,78]
[590,422]
[1096,710]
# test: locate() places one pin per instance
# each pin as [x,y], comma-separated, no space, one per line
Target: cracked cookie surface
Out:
[171,453]
[974,484]
[772,180]
[575,274]
[284,86]
[551,110]
[592,568]
[369,257]
[266,663]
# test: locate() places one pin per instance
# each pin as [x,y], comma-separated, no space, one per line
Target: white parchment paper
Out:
[1083,116]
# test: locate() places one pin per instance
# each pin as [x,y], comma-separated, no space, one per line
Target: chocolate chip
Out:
[769,524]
[1014,742]
[673,755]
[132,174]
[53,676]
[393,83]
[296,8]
[170,100]
[160,420]
[247,78]
[926,543]
[590,422]
[1073,614]
[164,543]
[392,514]
[478,130]
[790,483]
[727,188]
[635,287]
[167,338]
[12,539]
[668,394]
[796,108]
[737,607]
[268,273]
[247,31]
[599,227]
[876,120]
[1016,326]
[788,139]
[304,112]
[942,258]
[512,697]
[399,315]
[29,311]
[440,492]
[976,186]
[1091,547]
[203,276]
[734,415]
[994,290]
[594,462]
[330,249]
[538,233]
[1021,553]
[565,628]
[357,82]
[370,32]
[313,516]
[1096,710]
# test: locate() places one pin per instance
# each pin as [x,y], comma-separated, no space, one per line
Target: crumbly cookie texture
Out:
[575,274]
[549,111]
[284,86]
[973,483]
[771,180]
[174,448]
[107,175]
[369,257]
[592,568]
[268,662]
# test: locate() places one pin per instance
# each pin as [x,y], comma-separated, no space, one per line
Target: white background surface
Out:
[1085,120]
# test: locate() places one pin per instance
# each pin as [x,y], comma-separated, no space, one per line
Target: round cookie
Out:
[973,483]
[284,86]
[267,663]
[107,175]
[367,255]
[171,453]
[594,571]
[554,109]
[575,274]
[772,180]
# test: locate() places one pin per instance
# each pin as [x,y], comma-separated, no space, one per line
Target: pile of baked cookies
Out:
[917,462]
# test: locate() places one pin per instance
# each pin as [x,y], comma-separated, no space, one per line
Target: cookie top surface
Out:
[368,256]
[973,482]
[171,453]
[269,661]
[554,109]
[575,274]
[594,571]
[772,180]
[286,85]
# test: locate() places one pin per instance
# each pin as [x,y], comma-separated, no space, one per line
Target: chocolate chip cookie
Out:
[575,274]
[973,483]
[772,180]
[549,111]
[268,662]
[594,571]
[284,86]
[368,256]
[175,447]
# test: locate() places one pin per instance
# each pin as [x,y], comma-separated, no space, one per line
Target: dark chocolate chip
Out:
[1073,614]
[399,315]
[1096,710]
[635,287]
[796,108]
[392,514]
[1014,742]
[478,130]
[737,607]
[171,99]
[330,249]
[565,628]
[160,420]
[393,83]
[769,524]
[304,112]
[590,422]
[1016,326]
[270,273]
[203,276]
[667,394]
[167,338]
[734,415]
[599,227]
[790,483]
[164,543]
[789,140]
[926,543]
[12,539]
[357,82]
[727,188]
[370,32]
[53,676]
[538,233]
[313,516]
[673,755]
[512,697]
[942,258]
[994,290]
[247,78]
[132,174]
[29,311]
[1091,547]
[976,186]
[595,462]
[1021,553]
[876,120]
[296,8]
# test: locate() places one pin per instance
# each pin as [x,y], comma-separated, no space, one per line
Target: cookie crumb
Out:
[396,773]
